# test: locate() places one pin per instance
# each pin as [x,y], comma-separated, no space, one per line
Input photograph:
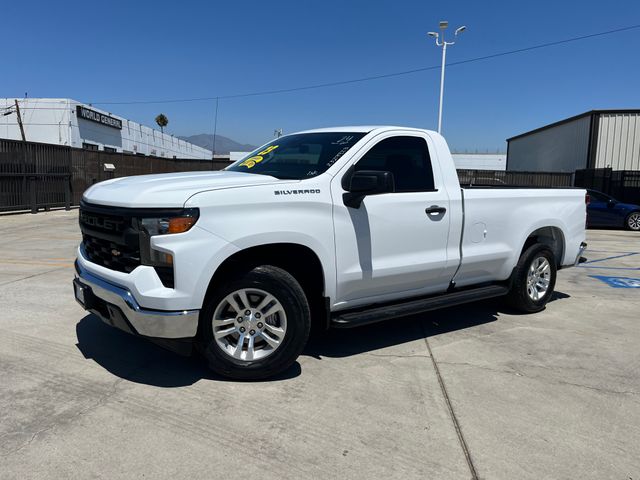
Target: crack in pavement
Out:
[31,276]
[100,401]
[454,418]
[397,355]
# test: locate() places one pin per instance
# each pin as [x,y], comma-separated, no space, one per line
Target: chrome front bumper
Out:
[579,257]
[117,307]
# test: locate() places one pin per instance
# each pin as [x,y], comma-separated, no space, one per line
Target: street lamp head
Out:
[433,34]
[443,24]
[460,29]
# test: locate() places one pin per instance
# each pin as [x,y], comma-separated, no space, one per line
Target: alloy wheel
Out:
[249,324]
[538,278]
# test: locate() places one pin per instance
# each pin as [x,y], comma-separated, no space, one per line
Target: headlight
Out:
[163,223]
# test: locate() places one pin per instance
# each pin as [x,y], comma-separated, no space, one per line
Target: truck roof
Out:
[363,129]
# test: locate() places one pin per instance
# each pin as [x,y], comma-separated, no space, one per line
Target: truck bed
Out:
[497,221]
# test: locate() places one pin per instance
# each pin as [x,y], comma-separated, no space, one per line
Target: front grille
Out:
[109,239]
[110,254]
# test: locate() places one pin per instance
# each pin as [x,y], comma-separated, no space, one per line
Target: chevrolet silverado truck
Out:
[338,227]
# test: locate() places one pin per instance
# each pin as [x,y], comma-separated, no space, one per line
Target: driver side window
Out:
[407,158]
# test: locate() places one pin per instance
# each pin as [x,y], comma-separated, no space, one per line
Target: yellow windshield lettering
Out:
[251,162]
[268,149]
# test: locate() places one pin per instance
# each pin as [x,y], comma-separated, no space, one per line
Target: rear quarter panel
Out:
[499,221]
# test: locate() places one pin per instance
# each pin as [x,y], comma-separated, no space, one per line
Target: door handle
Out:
[435,210]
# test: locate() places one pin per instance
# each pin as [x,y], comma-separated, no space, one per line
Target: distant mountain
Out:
[224,145]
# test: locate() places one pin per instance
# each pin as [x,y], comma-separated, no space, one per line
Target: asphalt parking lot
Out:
[468,392]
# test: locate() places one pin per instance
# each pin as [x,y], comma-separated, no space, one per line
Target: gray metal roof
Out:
[575,117]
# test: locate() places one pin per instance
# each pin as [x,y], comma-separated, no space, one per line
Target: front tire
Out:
[533,280]
[633,221]
[256,325]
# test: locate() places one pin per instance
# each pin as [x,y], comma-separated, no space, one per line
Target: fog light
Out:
[161,258]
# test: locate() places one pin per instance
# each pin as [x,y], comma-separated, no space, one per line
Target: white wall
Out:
[618,144]
[235,156]
[44,120]
[480,161]
[54,120]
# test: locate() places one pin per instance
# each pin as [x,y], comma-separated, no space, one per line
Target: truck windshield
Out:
[298,156]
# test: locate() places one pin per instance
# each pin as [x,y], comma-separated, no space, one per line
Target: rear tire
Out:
[633,222]
[256,325]
[533,280]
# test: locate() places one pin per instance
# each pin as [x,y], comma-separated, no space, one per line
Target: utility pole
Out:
[277,132]
[215,132]
[24,139]
[440,42]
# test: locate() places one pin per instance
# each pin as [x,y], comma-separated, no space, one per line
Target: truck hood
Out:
[167,189]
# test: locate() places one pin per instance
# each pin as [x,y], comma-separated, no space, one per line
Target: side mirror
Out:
[367,182]
[611,203]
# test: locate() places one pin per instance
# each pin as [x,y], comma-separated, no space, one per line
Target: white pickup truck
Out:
[338,227]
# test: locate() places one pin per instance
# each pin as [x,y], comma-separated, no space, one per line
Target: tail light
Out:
[587,201]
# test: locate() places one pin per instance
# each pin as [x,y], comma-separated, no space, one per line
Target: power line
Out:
[65,120]
[545,45]
[355,80]
[375,77]
[140,141]
[41,108]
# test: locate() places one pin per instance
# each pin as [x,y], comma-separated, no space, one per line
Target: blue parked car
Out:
[606,211]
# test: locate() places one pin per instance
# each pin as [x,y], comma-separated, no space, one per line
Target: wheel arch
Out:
[626,218]
[551,236]
[297,259]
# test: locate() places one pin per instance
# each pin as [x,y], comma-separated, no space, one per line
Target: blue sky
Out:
[150,50]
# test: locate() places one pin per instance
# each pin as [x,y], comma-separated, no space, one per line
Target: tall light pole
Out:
[441,42]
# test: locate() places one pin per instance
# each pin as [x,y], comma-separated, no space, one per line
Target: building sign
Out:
[92,115]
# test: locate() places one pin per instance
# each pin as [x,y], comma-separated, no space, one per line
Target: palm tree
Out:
[162,121]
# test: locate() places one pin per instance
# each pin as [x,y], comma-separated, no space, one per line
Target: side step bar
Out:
[350,319]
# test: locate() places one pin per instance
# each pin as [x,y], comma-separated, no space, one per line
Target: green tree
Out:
[162,121]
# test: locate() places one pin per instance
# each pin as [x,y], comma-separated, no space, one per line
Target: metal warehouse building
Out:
[595,139]
[480,161]
[63,121]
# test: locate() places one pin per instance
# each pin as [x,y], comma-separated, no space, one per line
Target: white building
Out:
[480,161]
[235,156]
[63,121]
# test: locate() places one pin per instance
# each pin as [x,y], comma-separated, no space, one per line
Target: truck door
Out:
[395,244]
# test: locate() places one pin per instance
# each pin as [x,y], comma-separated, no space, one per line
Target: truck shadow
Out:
[138,360]
[347,342]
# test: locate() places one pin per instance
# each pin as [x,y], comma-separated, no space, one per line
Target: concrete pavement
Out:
[551,395]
